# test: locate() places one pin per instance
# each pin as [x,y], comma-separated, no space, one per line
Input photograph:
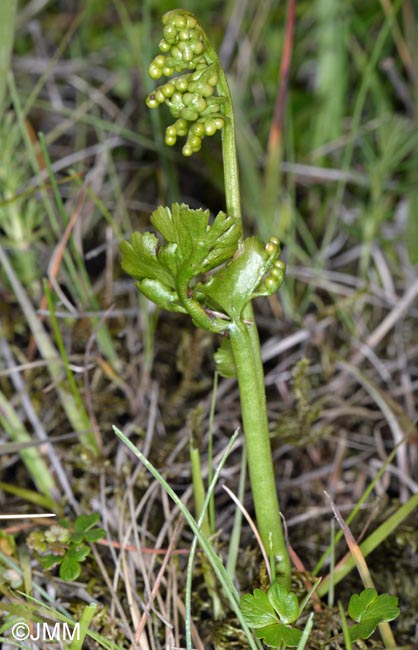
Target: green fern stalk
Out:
[234,270]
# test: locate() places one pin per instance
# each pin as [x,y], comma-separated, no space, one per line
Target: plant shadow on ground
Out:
[342,390]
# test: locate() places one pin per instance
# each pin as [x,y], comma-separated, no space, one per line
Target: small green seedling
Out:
[65,547]
[272,614]
[203,266]
[369,610]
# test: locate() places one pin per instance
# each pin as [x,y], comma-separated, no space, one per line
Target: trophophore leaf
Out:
[165,272]
[204,246]
[139,258]
[232,287]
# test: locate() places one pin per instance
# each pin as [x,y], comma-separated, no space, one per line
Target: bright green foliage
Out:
[271,615]
[170,274]
[70,567]
[191,96]
[369,609]
[60,546]
[284,602]
[199,246]
[210,271]
[242,280]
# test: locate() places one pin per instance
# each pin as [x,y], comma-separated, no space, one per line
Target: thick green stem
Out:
[257,441]
[229,154]
[247,356]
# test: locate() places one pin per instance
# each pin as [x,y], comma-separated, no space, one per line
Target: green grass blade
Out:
[44,345]
[7,32]
[213,558]
[306,632]
[86,617]
[30,496]
[88,438]
[35,464]
[372,542]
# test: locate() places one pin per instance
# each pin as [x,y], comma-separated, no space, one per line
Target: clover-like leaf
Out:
[94,534]
[278,634]
[85,522]
[284,602]
[257,609]
[78,553]
[50,560]
[70,569]
[369,609]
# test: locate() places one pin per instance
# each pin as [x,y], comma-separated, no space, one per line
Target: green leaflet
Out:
[269,614]
[369,609]
[284,602]
[257,609]
[161,295]
[232,287]
[277,634]
[139,259]
[200,245]
[169,273]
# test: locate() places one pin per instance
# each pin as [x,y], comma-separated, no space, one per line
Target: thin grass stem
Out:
[7,32]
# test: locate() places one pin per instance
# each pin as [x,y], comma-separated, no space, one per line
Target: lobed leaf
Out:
[50,560]
[368,605]
[84,522]
[278,634]
[139,258]
[78,553]
[232,287]
[94,535]
[284,602]
[202,245]
[369,609]
[70,569]
[161,295]
[257,609]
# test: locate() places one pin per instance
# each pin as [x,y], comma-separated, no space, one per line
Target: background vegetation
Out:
[82,165]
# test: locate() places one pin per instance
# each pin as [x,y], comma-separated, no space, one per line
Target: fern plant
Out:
[205,267]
